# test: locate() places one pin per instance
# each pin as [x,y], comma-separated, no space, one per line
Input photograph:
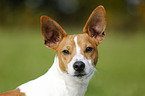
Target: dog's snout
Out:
[79,66]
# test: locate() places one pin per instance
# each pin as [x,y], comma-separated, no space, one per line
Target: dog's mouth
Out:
[80,74]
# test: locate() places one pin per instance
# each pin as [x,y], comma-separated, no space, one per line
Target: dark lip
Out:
[80,75]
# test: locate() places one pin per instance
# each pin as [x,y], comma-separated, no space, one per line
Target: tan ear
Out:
[52,32]
[96,24]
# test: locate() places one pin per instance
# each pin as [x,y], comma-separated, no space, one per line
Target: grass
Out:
[121,65]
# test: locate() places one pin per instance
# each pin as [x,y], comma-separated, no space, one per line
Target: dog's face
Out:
[77,54]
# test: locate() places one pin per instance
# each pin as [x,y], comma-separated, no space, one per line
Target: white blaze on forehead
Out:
[78,56]
[78,49]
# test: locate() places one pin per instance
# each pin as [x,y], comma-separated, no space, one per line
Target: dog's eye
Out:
[65,52]
[88,49]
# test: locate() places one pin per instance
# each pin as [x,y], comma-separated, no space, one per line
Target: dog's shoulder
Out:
[15,92]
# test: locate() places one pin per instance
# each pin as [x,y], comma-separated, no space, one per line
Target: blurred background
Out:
[121,65]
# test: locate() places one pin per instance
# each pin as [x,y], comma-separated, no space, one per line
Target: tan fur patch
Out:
[15,92]
[66,44]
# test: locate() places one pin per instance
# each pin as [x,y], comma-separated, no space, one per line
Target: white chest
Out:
[54,83]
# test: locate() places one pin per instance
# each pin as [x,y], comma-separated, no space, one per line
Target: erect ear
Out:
[96,24]
[52,32]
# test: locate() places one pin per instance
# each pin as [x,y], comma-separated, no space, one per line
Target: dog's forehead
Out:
[67,42]
[83,40]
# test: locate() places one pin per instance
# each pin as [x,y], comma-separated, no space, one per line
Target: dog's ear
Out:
[96,24]
[52,32]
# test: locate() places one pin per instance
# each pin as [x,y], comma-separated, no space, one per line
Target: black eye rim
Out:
[89,49]
[65,52]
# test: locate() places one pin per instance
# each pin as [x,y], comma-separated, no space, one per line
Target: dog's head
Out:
[77,54]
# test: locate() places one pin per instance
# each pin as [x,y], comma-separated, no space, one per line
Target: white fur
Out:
[57,83]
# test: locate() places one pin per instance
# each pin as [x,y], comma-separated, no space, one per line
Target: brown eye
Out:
[88,49]
[65,52]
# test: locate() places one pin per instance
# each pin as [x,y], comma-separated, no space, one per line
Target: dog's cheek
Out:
[62,65]
[94,58]
[64,60]
[61,61]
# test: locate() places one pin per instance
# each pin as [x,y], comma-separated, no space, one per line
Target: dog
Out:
[75,60]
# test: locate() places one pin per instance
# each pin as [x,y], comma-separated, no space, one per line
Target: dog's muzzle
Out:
[79,67]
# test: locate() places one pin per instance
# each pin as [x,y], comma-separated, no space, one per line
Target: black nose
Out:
[79,66]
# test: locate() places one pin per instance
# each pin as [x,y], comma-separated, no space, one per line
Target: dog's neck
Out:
[72,86]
